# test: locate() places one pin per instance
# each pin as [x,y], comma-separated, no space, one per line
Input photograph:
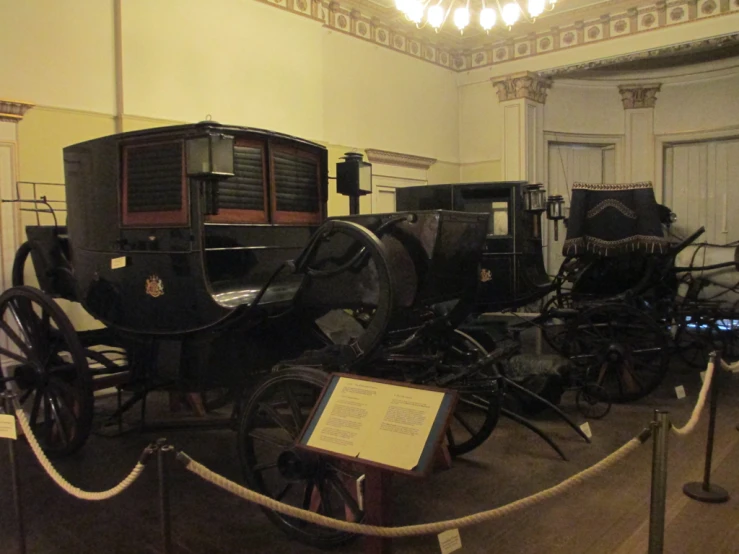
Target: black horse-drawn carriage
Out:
[205,255]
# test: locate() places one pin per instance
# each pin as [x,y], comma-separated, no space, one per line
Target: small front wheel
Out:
[592,401]
[271,420]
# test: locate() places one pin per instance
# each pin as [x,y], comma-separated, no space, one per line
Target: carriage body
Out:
[150,252]
[511,272]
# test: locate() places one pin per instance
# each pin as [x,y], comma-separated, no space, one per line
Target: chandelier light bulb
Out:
[414,10]
[536,7]
[511,13]
[487,18]
[400,5]
[461,18]
[435,16]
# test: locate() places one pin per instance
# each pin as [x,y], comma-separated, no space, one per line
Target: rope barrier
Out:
[411,530]
[729,367]
[66,485]
[689,427]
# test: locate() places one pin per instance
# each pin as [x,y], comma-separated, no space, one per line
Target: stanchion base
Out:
[714,494]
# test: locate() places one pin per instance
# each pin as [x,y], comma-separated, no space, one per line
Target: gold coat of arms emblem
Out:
[154,286]
[485,276]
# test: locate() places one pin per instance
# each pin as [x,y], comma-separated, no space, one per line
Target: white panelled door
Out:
[569,163]
[702,188]
[386,179]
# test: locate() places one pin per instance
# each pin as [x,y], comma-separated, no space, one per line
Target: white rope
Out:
[61,481]
[689,427]
[409,530]
[730,367]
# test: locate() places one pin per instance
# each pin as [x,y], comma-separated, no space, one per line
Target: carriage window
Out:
[499,219]
[295,186]
[154,184]
[242,198]
[498,222]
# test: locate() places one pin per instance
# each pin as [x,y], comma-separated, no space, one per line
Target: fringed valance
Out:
[613,219]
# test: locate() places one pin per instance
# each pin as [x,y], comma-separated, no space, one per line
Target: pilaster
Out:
[639,102]
[523,96]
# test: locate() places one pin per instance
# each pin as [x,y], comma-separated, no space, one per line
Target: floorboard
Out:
[605,515]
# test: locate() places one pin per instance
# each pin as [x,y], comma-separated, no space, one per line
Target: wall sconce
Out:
[555,212]
[534,202]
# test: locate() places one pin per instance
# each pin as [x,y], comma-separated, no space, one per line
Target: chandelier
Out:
[436,12]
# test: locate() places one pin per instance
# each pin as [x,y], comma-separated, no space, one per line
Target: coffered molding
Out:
[396,158]
[526,84]
[13,111]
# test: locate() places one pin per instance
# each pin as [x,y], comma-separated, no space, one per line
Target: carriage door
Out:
[568,163]
[700,187]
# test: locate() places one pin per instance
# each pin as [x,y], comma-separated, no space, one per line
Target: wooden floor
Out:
[607,515]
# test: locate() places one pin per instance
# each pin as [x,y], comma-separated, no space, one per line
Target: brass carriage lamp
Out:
[534,202]
[210,157]
[555,212]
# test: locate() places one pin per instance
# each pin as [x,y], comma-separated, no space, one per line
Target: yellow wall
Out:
[481,172]
[442,173]
[58,53]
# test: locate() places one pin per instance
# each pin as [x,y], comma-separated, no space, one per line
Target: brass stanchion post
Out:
[8,397]
[661,427]
[705,491]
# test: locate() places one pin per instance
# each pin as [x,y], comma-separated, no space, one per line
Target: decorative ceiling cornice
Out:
[639,96]
[525,84]
[396,158]
[576,27]
[694,46]
[13,111]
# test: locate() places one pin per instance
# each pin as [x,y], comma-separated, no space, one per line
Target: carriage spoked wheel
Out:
[44,354]
[554,329]
[592,401]
[620,349]
[695,338]
[272,417]
[478,407]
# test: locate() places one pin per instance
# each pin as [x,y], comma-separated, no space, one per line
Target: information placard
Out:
[384,423]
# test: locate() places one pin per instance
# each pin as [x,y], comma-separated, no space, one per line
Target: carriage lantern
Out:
[555,211]
[210,158]
[353,179]
[534,202]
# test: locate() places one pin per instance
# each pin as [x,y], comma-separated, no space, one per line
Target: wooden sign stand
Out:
[378,476]
[378,501]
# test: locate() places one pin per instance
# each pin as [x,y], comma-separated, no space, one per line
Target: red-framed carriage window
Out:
[154,185]
[243,197]
[295,195]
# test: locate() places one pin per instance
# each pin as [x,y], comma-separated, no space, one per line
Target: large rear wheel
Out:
[41,349]
[620,349]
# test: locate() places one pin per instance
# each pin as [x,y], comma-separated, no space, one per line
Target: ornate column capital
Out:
[639,96]
[13,111]
[526,84]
